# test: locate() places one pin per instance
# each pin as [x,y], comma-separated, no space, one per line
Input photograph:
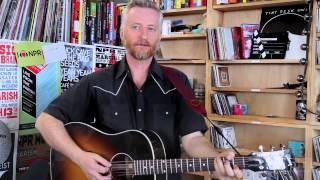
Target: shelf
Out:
[184,11]
[317,66]
[258,61]
[260,120]
[255,90]
[299,160]
[316,164]
[256,5]
[184,36]
[182,61]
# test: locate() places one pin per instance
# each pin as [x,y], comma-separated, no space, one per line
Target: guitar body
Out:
[127,145]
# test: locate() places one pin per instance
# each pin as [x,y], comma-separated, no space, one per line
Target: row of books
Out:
[228,131]
[75,21]
[316,173]
[318,51]
[316,147]
[222,103]
[220,76]
[230,1]
[177,4]
[318,20]
[230,43]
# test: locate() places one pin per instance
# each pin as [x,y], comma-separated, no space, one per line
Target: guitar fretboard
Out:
[176,166]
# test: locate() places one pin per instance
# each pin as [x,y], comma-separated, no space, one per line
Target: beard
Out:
[141,50]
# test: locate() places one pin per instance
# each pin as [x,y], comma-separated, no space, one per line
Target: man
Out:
[132,94]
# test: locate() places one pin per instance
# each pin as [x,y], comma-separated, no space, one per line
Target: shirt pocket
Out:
[117,117]
[164,115]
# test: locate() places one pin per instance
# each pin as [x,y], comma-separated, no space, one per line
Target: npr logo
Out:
[25,54]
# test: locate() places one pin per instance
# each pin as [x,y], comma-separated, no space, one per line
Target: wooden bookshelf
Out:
[260,120]
[185,11]
[271,111]
[317,66]
[255,5]
[184,36]
[255,90]
[257,61]
[182,61]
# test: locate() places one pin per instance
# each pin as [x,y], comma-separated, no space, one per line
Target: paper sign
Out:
[29,53]
[54,52]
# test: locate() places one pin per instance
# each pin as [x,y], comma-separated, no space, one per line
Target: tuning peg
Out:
[303,61]
[299,94]
[260,148]
[300,78]
[307,17]
[272,148]
[282,146]
[305,32]
[304,47]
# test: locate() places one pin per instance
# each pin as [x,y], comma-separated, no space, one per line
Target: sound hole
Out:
[122,167]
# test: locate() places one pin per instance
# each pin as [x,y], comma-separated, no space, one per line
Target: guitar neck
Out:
[176,166]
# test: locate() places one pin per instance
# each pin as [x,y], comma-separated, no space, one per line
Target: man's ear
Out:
[121,33]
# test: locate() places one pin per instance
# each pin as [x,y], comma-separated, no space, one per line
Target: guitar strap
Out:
[186,92]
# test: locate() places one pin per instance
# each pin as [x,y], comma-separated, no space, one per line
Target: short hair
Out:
[143,4]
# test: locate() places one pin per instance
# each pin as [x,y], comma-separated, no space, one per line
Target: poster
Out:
[107,55]
[8,153]
[8,85]
[40,85]
[79,63]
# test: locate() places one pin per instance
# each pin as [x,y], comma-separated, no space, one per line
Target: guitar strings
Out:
[120,168]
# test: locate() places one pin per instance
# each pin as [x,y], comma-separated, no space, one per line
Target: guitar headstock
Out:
[269,161]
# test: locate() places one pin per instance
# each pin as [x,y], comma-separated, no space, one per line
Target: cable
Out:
[219,131]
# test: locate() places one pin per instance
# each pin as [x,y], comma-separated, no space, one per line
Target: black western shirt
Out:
[110,99]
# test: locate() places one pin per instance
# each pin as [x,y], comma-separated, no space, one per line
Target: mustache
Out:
[142,43]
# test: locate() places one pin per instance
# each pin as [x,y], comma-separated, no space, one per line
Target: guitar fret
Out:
[148,165]
[243,164]
[208,164]
[170,166]
[166,165]
[135,167]
[187,165]
[175,162]
[200,164]
[142,166]
[193,165]
[153,167]
[181,164]
[157,167]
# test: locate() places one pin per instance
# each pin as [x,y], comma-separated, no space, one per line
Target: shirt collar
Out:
[124,68]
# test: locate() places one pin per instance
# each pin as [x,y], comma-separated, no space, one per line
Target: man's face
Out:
[141,32]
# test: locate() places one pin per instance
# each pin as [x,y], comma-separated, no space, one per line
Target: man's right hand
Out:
[94,166]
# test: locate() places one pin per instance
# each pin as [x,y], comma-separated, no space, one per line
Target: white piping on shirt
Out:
[161,87]
[114,94]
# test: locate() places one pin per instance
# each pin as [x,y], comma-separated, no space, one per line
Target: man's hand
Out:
[223,170]
[94,166]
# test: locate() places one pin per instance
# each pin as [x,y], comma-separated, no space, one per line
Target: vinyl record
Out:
[293,23]
[5,142]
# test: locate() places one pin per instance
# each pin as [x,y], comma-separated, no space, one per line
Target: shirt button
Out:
[140,91]
[139,110]
[167,112]
[116,113]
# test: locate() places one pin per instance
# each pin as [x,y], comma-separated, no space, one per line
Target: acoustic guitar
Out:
[140,155]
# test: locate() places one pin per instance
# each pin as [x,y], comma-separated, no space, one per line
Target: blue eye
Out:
[151,29]
[135,27]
